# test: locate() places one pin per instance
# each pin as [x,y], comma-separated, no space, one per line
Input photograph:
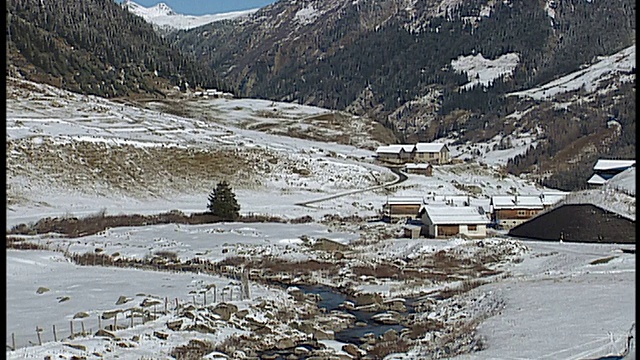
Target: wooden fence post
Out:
[115,322]
[55,338]
[205,298]
[71,327]
[166,300]
[131,315]
[83,332]
[13,341]
[38,330]
[99,322]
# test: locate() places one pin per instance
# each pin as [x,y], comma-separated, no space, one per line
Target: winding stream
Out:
[331,300]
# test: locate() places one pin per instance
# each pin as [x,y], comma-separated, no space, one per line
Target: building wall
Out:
[446,230]
[515,214]
[480,230]
[426,172]
[404,209]
[392,158]
[508,218]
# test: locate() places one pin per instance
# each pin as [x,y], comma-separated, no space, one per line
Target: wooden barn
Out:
[508,211]
[579,223]
[421,169]
[402,208]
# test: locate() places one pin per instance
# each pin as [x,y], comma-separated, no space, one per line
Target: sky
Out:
[204,7]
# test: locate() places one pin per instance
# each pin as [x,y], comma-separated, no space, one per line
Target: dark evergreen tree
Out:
[223,203]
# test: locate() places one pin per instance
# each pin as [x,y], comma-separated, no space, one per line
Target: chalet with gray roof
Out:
[432,153]
[443,221]
[395,154]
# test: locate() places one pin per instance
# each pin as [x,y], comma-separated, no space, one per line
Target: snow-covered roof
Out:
[596,180]
[429,147]
[552,197]
[624,181]
[604,164]
[395,149]
[406,200]
[516,202]
[449,215]
[417,166]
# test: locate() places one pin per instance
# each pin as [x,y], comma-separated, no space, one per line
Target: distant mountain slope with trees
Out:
[95,47]
[392,60]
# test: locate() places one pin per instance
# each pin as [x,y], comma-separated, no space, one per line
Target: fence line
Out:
[193,265]
[60,334]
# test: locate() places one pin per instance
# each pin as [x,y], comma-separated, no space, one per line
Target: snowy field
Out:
[559,300]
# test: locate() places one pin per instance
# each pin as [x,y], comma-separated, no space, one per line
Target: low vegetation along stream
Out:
[441,321]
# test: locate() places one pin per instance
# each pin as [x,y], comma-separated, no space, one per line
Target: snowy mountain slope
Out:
[97,152]
[594,77]
[74,155]
[164,17]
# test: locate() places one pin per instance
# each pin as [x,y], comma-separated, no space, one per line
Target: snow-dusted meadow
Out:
[557,300]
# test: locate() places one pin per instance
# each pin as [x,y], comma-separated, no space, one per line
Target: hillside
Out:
[443,70]
[72,156]
[96,47]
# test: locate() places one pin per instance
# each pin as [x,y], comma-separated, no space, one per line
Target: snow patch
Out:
[484,71]
[307,15]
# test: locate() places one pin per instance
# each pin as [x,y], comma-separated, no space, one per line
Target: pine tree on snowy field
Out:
[223,203]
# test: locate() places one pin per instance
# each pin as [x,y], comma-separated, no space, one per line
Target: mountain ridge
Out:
[395,61]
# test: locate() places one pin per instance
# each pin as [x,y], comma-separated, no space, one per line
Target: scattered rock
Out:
[353,351]
[81,315]
[390,335]
[225,310]
[42,290]
[105,333]
[76,346]
[161,335]
[148,302]
[174,325]
[122,300]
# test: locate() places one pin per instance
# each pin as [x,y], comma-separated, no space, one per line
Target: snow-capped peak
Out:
[162,15]
[163,9]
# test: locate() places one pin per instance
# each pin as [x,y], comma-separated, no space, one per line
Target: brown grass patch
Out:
[77,227]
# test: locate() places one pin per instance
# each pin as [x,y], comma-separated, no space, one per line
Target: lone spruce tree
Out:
[223,203]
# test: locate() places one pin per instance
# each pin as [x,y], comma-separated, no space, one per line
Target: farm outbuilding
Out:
[420,169]
[605,169]
[412,231]
[508,211]
[579,223]
[402,208]
[444,221]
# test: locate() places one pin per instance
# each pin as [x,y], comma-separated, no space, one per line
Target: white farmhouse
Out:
[444,221]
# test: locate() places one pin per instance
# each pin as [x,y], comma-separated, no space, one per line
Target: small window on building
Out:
[521,213]
[472,227]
